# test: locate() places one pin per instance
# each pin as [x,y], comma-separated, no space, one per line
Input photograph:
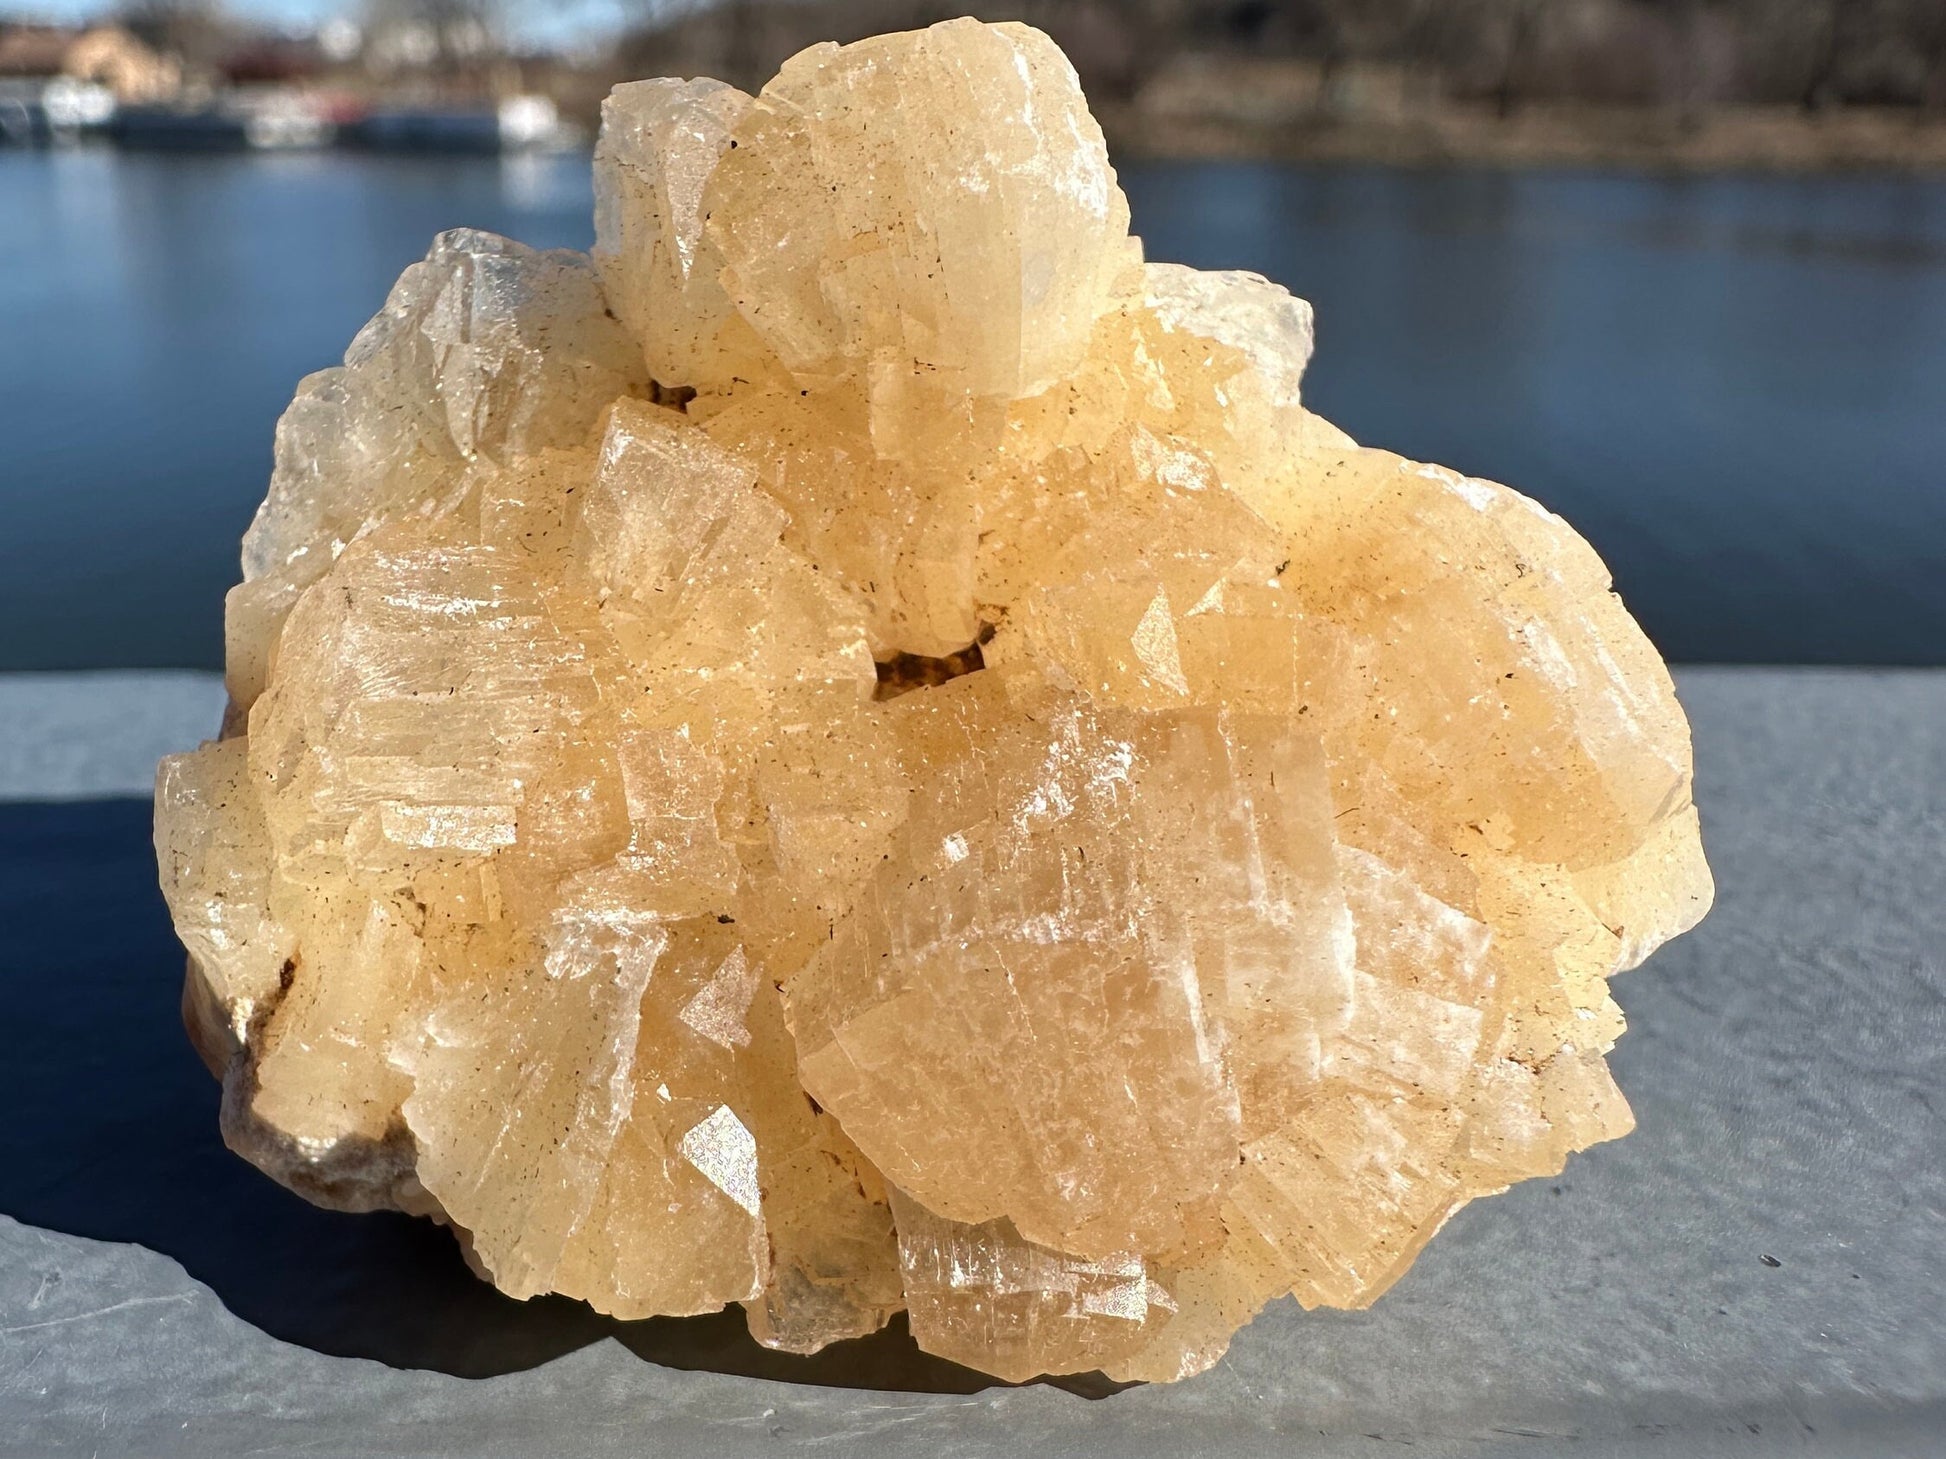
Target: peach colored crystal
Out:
[860,749]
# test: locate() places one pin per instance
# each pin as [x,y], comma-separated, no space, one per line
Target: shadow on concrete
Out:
[112,1135]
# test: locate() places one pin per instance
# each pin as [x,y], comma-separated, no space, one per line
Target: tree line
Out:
[1683,54]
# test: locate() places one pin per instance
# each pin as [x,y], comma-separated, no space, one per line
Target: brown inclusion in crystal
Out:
[904,672]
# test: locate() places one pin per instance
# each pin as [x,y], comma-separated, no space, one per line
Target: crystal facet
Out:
[862,750]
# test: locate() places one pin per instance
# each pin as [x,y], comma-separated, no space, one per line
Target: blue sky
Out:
[548,21]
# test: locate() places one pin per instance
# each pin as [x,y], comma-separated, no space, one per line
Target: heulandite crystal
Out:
[860,749]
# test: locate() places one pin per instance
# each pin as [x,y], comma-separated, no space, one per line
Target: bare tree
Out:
[440,36]
[1521,27]
[1835,26]
[1922,25]
[1690,81]
[193,30]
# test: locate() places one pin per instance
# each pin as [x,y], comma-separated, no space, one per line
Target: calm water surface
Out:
[1735,387]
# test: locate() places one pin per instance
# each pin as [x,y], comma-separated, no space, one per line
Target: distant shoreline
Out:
[1729,140]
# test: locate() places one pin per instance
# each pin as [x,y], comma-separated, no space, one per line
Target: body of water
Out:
[1734,387]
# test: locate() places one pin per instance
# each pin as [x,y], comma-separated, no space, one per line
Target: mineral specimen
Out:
[860,749]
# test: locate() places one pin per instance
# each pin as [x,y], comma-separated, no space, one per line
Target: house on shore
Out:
[60,81]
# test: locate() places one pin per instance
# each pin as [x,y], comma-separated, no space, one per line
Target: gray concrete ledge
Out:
[1785,1061]
[91,735]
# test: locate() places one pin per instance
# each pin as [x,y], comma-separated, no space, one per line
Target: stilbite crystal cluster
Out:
[859,749]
